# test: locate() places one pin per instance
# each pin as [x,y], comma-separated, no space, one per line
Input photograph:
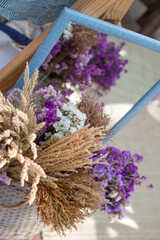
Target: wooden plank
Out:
[110,9]
[117,11]
[93,8]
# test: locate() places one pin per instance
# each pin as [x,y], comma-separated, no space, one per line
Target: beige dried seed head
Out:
[18,130]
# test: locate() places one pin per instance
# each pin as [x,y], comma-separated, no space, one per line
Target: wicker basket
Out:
[17,223]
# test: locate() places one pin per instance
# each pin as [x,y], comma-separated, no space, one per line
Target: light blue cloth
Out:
[38,12]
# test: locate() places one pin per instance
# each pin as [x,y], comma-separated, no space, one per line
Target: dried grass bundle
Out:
[18,129]
[74,199]
[83,39]
[94,111]
[67,154]
[70,152]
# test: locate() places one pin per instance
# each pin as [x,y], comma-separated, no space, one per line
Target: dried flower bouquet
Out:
[83,57]
[54,160]
[55,147]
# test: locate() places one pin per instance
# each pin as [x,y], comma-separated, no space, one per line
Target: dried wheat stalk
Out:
[18,129]
[71,152]
[67,154]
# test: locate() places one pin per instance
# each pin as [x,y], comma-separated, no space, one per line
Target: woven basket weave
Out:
[17,223]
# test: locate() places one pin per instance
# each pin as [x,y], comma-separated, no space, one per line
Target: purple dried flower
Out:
[5,179]
[102,64]
[119,178]
[47,101]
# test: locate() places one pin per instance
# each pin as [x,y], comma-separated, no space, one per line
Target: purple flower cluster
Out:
[118,178]
[107,62]
[5,179]
[55,50]
[47,101]
[102,64]
[77,71]
[14,97]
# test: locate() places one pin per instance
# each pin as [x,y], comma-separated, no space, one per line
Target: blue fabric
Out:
[15,35]
[38,12]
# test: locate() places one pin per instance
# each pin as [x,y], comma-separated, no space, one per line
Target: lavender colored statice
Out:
[5,179]
[55,50]
[119,178]
[47,102]
[107,63]
[102,65]
[61,119]
[14,97]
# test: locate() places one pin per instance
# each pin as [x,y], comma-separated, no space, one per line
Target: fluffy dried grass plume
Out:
[83,39]
[18,131]
[94,111]
[70,203]
[71,152]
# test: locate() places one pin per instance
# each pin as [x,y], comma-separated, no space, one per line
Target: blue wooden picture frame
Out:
[69,15]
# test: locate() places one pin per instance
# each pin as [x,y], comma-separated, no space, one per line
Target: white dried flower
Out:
[59,114]
[113,194]
[118,198]
[71,120]
[67,34]
[48,135]
[73,130]
[59,134]
[113,218]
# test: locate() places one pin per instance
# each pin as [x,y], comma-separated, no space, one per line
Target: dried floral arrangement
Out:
[56,148]
[83,58]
